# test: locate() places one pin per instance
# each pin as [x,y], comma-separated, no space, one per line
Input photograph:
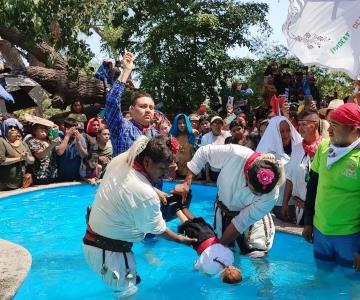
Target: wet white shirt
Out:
[206,264]
[233,191]
[126,208]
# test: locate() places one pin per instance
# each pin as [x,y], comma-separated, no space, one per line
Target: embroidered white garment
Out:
[326,33]
[336,153]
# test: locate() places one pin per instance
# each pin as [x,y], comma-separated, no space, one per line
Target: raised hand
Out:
[128,61]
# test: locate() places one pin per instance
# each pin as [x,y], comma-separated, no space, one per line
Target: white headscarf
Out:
[271,141]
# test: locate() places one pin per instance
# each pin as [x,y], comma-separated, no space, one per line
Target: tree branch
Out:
[57,82]
[43,52]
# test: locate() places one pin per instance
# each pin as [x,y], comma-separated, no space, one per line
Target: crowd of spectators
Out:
[38,151]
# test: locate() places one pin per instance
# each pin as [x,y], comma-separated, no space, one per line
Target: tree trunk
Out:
[11,55]
[58,83]
[42,51]
[55,79]
[33,61]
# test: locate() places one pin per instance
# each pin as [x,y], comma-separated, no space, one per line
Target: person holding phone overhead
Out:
[124,132]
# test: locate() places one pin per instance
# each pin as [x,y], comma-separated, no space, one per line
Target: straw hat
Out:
[332,105]
[38,120]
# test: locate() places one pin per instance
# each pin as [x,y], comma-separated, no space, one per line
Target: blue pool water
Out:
[51,224]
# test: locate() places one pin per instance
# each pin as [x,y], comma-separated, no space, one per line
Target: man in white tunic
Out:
[248,186]
[125,209]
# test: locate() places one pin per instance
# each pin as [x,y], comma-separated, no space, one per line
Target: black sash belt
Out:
[91,238]
[105,243]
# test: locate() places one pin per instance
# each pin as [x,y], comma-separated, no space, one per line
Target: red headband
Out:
[249,162]
[347,114]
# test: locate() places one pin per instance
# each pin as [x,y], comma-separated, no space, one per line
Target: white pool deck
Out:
[15,261]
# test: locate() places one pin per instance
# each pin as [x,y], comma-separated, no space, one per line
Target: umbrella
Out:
[325,33]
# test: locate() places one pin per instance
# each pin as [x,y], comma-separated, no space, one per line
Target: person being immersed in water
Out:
[214,258]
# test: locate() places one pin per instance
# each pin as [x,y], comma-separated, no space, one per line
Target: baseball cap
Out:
[213,119]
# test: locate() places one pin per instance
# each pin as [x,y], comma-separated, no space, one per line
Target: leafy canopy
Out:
[58,23]
[182,46]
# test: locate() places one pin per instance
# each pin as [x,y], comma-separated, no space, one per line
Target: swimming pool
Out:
[51,224]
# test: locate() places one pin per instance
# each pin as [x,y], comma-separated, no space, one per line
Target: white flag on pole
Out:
[325,33]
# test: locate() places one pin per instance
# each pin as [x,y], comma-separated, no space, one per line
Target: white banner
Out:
[325,33]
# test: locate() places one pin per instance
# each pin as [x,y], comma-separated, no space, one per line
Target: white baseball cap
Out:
[213,119]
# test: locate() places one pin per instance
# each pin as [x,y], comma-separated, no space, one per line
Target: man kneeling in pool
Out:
[214,258]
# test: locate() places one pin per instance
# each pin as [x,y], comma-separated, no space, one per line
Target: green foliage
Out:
[57,22]
[181,46]
[334,84]
[329,83]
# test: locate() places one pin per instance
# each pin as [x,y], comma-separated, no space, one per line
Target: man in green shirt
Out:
[332,206]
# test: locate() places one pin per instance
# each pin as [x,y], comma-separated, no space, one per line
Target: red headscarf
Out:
[347,114]
[89,127]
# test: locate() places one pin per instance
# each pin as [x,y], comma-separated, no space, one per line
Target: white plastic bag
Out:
[325,33]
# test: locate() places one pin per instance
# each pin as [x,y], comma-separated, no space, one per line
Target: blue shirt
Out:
[123,132]
[69,162]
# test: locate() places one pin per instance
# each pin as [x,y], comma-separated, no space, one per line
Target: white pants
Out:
[115,277]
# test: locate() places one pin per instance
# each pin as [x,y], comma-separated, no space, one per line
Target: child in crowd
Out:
[90,169]
[214,258]
[164,127]
[181,129]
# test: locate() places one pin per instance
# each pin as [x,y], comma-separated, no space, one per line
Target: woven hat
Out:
[334,104]
[38,120]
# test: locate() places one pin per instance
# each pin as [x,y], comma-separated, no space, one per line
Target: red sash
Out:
[206,244]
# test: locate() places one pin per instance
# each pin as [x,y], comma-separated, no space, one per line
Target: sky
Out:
[276,17]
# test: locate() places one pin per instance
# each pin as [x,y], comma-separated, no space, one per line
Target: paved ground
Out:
[15,261]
